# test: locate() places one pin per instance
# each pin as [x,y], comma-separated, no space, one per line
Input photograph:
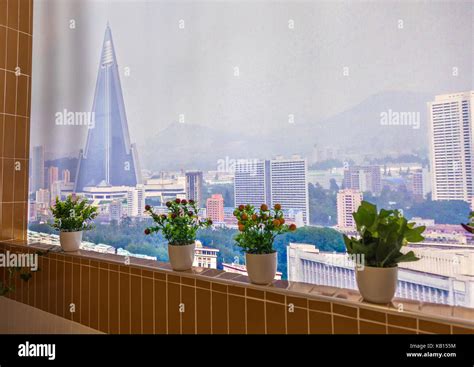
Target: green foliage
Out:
[258,228]
[382,235]
[179,227]
[322,204]
[73,215]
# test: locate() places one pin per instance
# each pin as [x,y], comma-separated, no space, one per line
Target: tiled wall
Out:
[100,292]
[15,88]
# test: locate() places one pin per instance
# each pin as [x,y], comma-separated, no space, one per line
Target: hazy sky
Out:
[404,45]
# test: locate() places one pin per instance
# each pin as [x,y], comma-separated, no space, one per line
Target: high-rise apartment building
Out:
[451,146]
[194,186]
[53,176]
[66,176]
[116,210]
[37,169]
[215,208]
[348,201]
[136,201]
[363,178]
[282,181]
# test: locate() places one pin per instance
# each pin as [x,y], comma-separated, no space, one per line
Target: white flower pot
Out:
[70,241]
[377,285]
[181,257]
[261,268]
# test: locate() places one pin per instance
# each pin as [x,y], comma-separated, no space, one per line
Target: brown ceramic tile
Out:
[297,321]
[240,291]
[173,278]
[344,310]
[275,315]
[255,293]
[160,307]
[188,281]
[219,313]
[94,297]
[136,304]
[85,288]
[22,95]
[401,320]
[68,300]
[3,12]
[24,16]
[345,325]
[53,287]
[2,95]
[113,316]
[3,46]
[297,301]
[188,319]
[320,323]
[159,276]
[7,220]
[371,328]
[203,311]
[462,330]
[319,305]
[433,327]
[124,304]
[10,94]
[219,287]
[19,219]
[397,330]
[76,292]
[13,13]
[203,284]
[174,316]
[255,316]
[275,297]
[20,173]
[236,315]
[12,49]
[147,306]
[372,315]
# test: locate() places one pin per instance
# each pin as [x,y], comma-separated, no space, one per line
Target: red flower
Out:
[177,201]
[190,213]
[168,204]
[147,231]
[264,207]
[184,202]
[173,215]
[292,227]
[241,207]
[277,207]
[209,221]
[163,216]
[147,207]
[191,202]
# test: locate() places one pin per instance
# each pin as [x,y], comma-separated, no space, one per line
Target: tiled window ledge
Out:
[147,296]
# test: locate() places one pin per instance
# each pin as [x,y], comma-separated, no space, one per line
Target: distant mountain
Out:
[359,130]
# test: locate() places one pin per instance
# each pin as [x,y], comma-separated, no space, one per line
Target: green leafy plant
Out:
[470,226]
[382,236]
[73,215]
[180,225]
[258,228]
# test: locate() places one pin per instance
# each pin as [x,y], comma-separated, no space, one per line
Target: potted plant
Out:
[382,236]
[71,217]
[258,229]
[179,227]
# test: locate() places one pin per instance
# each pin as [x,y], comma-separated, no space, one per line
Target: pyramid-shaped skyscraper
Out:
[108,157]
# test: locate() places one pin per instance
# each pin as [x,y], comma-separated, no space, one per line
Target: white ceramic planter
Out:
[261,268]
[70,241]
[377,285]
[181,257]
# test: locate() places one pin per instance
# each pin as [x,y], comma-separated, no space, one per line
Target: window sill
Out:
[343,305]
